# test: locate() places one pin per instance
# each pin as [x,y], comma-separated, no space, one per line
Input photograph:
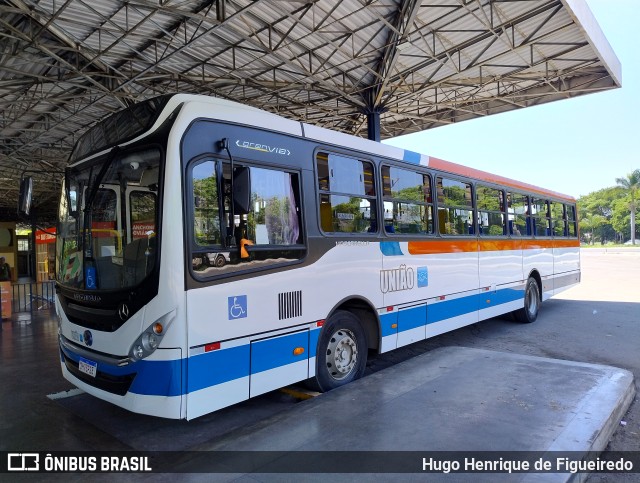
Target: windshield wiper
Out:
[87,249]
[103,170]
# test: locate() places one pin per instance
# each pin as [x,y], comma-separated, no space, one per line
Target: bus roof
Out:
[236,112]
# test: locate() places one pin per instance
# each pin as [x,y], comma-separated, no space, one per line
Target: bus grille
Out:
[114,384]
[290,304]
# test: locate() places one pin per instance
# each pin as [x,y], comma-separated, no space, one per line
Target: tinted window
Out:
[455,214]
[269,233]
[490,204]
[518,222]
[406,194]
[347,194]
[558,219]
[206,220]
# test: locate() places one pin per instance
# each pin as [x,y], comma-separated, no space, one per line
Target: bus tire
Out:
[532,300]
[220,261]
[342,352]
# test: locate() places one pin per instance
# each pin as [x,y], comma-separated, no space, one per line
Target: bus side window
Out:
[540,217]
[455,207]
[517,212]
[490,205]
[407,201]
[205,224]
[571,220]
[347,194]
[558,219]
[270,232]
[274,218]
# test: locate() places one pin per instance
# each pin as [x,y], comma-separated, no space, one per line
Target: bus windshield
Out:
[108,219]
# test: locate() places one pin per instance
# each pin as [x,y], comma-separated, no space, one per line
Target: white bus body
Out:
[255,324]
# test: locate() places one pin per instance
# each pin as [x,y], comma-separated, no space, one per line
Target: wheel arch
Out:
[536,276]
[366,314]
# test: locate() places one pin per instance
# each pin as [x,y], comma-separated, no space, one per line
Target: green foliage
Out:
[631,187]
[606,215]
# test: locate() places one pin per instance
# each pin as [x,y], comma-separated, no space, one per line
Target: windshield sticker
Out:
[72,267]
[90,277]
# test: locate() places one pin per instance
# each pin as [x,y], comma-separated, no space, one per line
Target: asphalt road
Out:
[597,321]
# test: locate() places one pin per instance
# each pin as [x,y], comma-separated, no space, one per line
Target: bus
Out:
[209,252]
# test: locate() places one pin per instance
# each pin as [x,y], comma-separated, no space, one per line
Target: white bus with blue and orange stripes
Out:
[209,252]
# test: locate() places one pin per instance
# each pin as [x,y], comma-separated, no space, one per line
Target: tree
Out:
[590,223]
[631,184]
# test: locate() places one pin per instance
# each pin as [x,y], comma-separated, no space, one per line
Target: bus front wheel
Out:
[529,313]
[342,352]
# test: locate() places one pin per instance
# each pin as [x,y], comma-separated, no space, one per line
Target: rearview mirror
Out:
[25,196]
[241,190]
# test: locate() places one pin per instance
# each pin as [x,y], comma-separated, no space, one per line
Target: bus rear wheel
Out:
[342,352]
[532,300]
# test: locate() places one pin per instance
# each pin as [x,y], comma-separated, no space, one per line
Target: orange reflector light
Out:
[298,350]
[214,346]
[394,326]
[320,323]
[157,328]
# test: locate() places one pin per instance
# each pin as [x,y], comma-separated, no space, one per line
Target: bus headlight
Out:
[137,352]
[147,343]
[150,341]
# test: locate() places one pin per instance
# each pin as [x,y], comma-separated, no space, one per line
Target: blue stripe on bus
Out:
[314,335]
[386,321]
[452,308]
[156,378]
[501,297]
[390,249]
[278,351]
[411,157]
[217,367]
[408,319]
[411,318]
[167,378]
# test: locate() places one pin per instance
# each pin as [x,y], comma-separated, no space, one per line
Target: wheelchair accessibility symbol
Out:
[237,307]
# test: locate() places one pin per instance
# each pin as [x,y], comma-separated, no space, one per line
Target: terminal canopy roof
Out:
[412,65]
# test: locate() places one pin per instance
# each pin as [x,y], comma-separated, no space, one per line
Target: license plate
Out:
[88,367]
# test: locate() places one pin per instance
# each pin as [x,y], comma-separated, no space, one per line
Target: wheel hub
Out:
[342,354]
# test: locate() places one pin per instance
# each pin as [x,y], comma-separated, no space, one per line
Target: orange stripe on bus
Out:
[466,171]
[428,247]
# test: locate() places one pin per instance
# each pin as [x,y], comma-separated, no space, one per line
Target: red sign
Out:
[48,236]
[143,229]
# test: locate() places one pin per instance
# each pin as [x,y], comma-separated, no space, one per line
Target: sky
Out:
[573,146]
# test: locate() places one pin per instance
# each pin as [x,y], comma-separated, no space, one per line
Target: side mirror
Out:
[241,190]
[71,194]
[26,195]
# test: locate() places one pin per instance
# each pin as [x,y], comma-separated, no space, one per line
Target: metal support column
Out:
[373,124]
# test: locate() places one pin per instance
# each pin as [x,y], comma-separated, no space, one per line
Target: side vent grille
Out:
[290,304]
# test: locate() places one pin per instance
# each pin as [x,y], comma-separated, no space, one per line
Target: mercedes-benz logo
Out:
[123,311]
[88,338]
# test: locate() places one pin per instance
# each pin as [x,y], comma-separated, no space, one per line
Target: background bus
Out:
[249,252]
